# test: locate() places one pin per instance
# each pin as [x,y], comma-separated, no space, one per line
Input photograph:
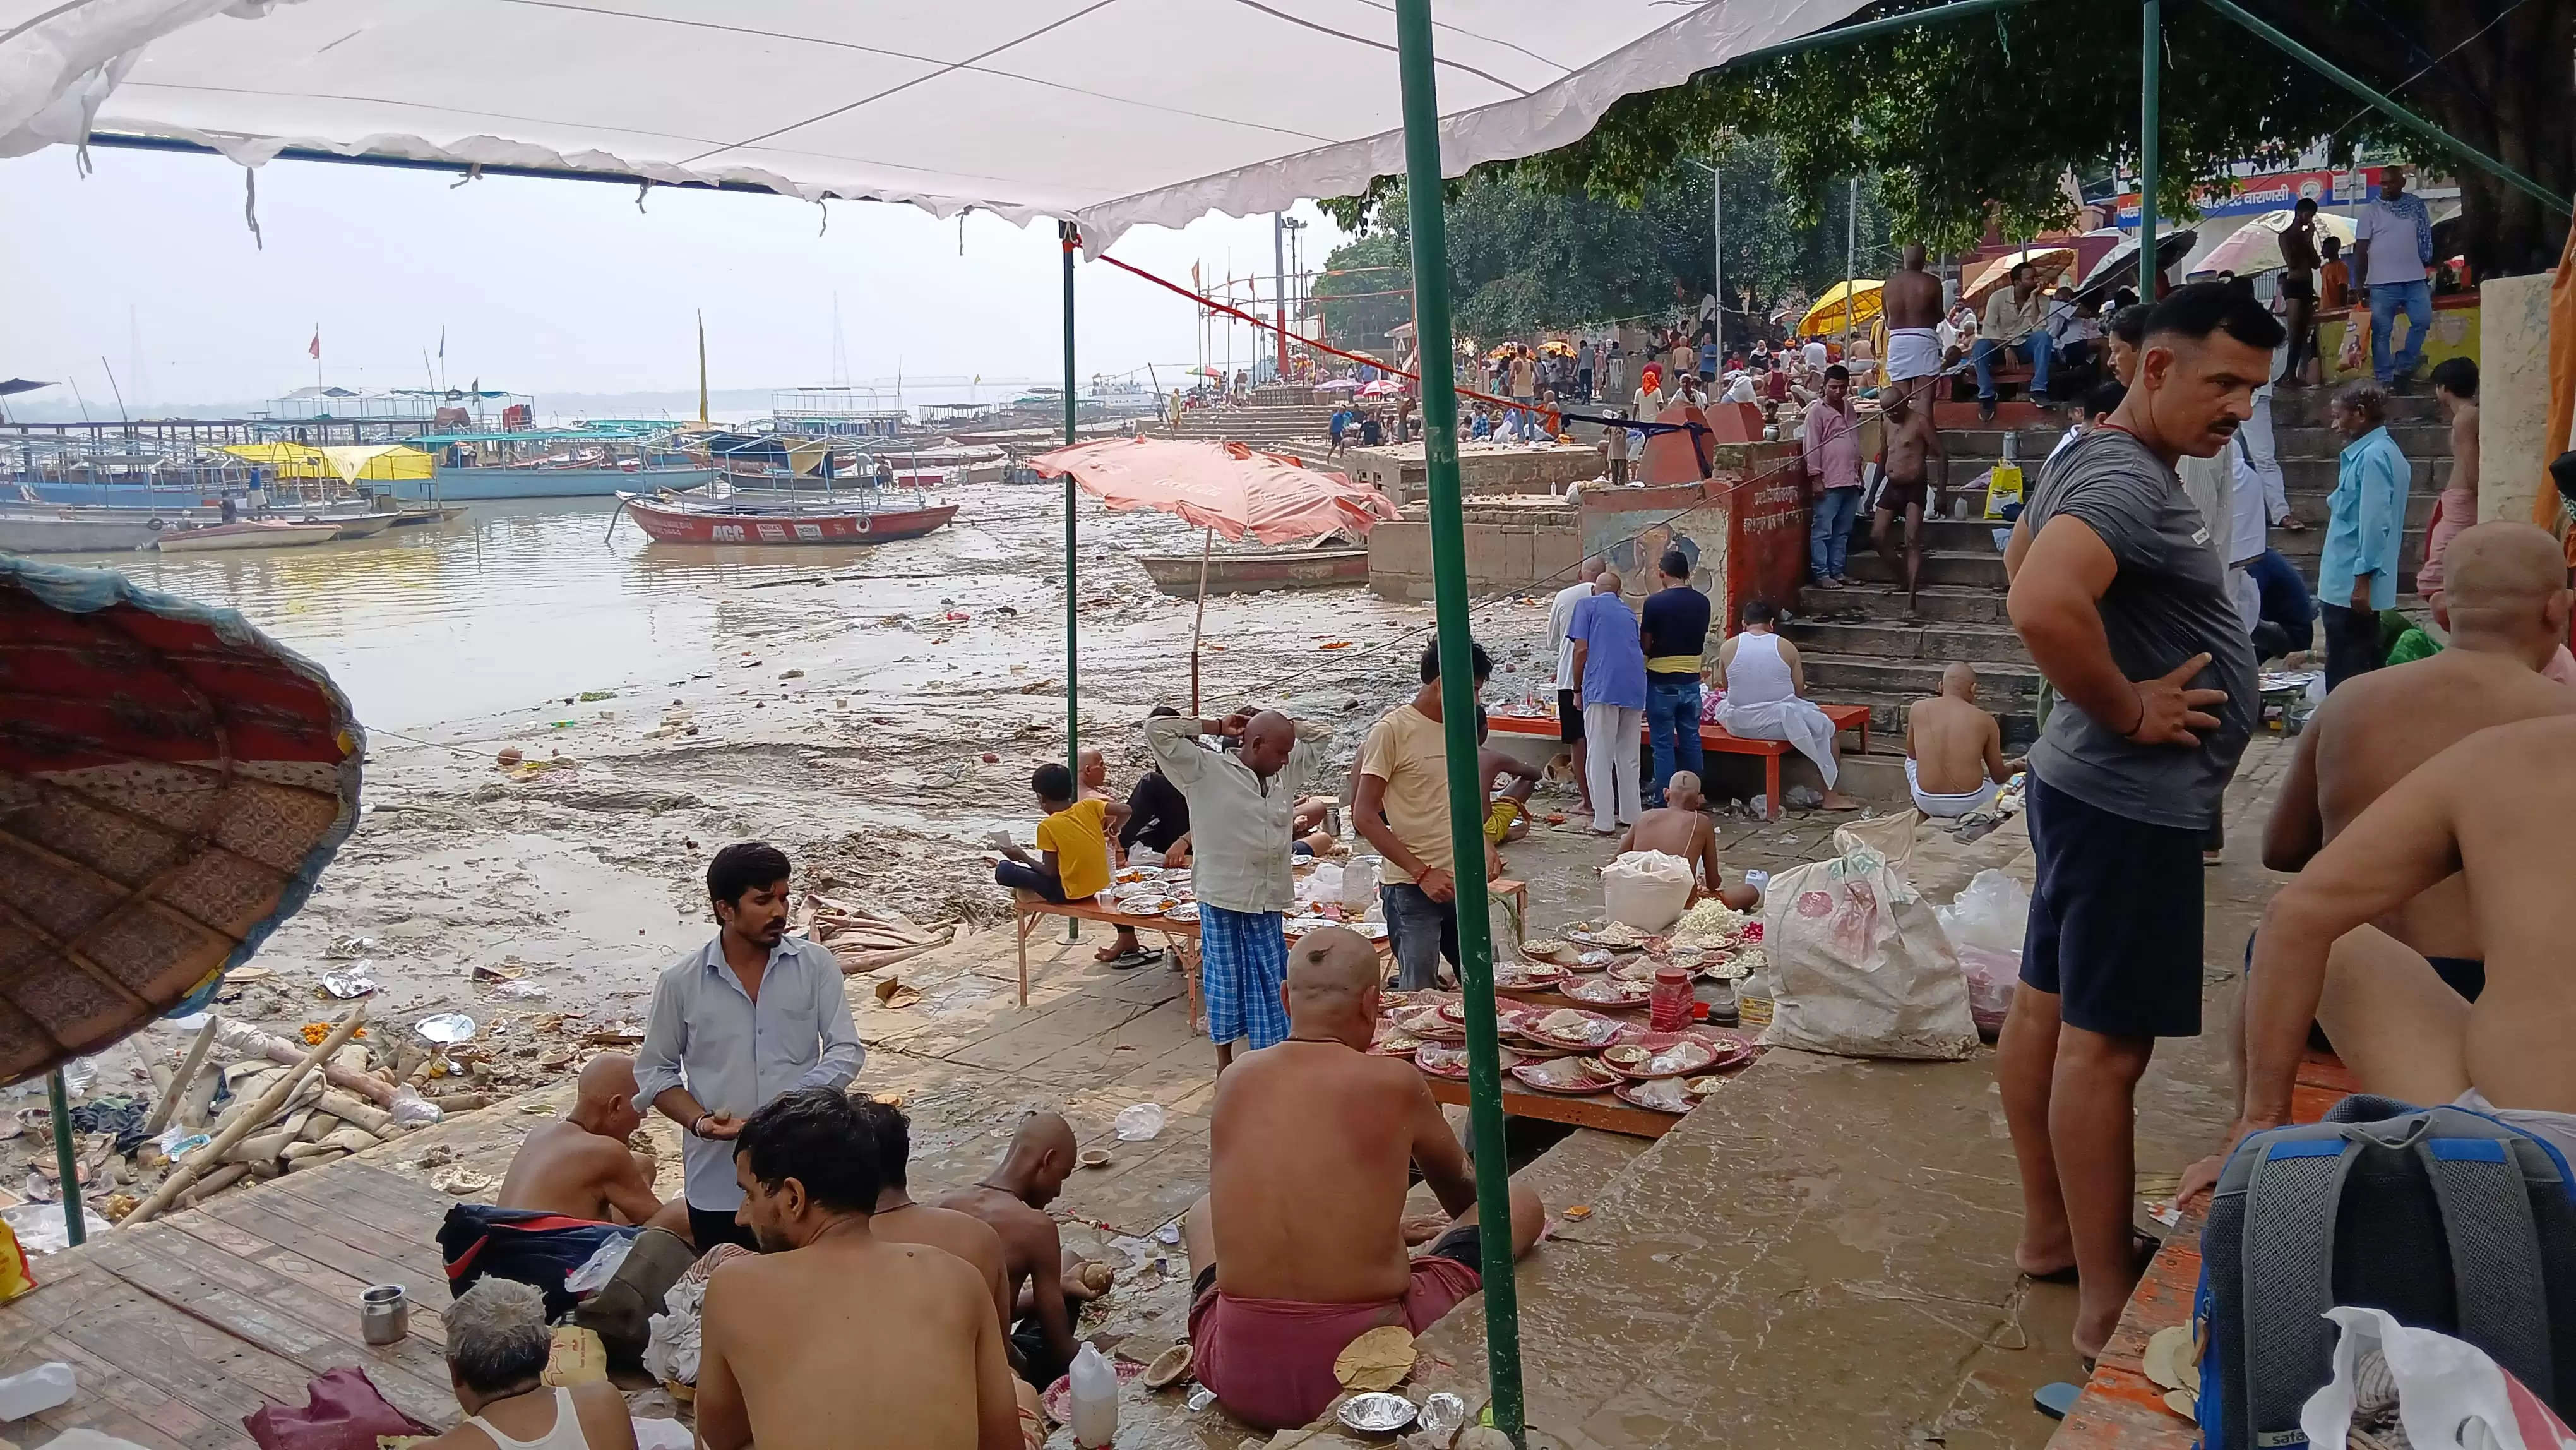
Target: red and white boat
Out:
[822,521]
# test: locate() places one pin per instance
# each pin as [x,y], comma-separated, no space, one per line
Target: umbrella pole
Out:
[65,1159]
[2150,128]
[1207,541]
[1430,227]
[1071,237]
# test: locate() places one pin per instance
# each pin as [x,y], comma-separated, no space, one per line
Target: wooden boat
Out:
[360,526]
[1253,571]
[717,521]
[249,534]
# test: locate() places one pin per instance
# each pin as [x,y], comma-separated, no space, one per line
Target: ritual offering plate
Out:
[1441,1059]
[1152,904]
[1429,1025]
[1660,1055]
[1635,969]
[1608,990]
[1186,911]
[1526,976]
[1590,961]
[1377,1413]
[1662,1095]
[1700,1087]
[1618,936]
[1130,875]
[1733,1049]
[1569,1076]
[1684,957]
[1393,1042]
[1543,949]
[1570,1028]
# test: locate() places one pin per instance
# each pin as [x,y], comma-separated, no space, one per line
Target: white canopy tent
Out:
[1110,113]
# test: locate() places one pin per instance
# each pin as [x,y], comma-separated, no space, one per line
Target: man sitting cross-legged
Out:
[1013,1199]
[1299,1246]
[1954,750]
[1679,828]
[831,1337]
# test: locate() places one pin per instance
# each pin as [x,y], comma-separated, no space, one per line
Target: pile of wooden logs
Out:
[862,940]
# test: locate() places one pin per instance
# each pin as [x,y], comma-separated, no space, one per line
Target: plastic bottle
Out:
[1095,1399]
[36,1391]
[1669,1009]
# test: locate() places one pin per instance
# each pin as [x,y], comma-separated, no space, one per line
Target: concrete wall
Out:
[1507,549]
[1399,472]
[2513,396]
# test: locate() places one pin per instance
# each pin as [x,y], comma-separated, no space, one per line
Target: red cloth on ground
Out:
[1270,1361]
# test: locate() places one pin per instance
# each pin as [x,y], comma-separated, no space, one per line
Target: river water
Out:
[520,601]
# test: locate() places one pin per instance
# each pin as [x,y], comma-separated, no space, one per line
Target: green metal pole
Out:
[2389,108]
[64,1158]
[1458,704]
[2151,53]
[1071,237]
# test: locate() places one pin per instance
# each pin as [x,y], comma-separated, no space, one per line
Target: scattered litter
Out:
[314,1032]
[446,1029]
[357,981]
[589,696]
[791,674]
[1138,1122]
[1579,1212]
[349,948]
[1441,1414]
[1802,797]
[599,1268]
[893,993]
[509,755]
[178,1141]
[517,991]
[1377,1360]
[1169,1233]
[460,1181]
[1201,1398]
[36,1391]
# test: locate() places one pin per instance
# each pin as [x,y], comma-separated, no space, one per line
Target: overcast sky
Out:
[549,286]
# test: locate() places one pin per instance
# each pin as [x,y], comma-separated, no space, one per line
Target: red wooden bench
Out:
[2121,1409]
[1716,740]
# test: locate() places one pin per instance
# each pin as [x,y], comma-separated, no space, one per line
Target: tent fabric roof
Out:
[1116,113]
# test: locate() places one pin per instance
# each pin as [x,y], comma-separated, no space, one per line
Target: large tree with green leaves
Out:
[1964,120]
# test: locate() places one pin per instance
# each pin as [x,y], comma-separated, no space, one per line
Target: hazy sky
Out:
[548,286]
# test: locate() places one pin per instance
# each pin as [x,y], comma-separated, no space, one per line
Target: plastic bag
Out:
[2355,329]
[2448,1391]
[1139,1121]
[1992,913]
[599,1268]
[1646,889]
[1359,885]
[411,1110]
[1862,967]
[343,1410]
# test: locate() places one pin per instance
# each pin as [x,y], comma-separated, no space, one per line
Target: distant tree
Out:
[1380,264]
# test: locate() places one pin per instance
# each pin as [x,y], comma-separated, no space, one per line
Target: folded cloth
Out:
[1912,352]
[1794,720]
[1270,1361]
[1949,807]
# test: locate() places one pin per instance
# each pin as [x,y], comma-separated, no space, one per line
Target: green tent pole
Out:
[2151,49]
[1071,237]
[1458,704]
[59,1098]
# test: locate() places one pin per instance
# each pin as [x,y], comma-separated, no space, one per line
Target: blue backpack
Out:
[2450,1220]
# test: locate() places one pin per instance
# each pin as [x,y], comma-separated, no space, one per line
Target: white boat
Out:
[48,529]
[249,534]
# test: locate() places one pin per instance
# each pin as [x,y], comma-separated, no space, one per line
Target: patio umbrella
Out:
[2049,264]
[1337,385]
[1827,315]
[1219,488]
[2119,266]
[1382,388]
[2256,246]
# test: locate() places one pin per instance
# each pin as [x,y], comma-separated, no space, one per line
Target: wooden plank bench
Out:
[1716,740]
[1183,936]
[2120,1408]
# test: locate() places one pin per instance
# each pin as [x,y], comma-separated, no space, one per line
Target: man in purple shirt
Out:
[1831,447]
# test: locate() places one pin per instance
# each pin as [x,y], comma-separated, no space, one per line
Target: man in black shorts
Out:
[2125,609]
[1908,444]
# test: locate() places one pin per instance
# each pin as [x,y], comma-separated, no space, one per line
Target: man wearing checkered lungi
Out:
[1243,799]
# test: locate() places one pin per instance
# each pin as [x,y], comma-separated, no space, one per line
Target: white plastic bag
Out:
[2448,1391]
[671,1353]
[1359,886]
[599,1268]
[1646,889]
[1985,926]
[1138,1122]
[1862,967]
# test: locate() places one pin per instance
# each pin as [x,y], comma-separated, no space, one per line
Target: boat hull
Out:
[227,537]
[668,525]
[72,534]
[1251,573]
[470,485]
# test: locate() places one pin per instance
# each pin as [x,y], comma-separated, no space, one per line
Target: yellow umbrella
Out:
[1827,315]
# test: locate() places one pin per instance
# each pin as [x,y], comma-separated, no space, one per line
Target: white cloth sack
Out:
[1648,890]
[1862,966]
[2448,1391]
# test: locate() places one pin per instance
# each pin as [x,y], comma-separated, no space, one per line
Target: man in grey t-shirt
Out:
[2124,606]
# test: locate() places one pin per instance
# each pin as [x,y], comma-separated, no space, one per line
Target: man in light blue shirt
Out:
[2393,242]
[2365,529]
[751,1015]
[1609,676]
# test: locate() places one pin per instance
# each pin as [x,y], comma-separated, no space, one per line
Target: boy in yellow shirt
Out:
[1073,846]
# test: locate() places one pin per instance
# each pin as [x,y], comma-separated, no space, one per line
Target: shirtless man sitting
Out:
[579,1165]
[1678,828]
[1013,1199]
[1506,807]
[1954,750]
[2506,608]
[828,1318]
[1299,1247]
[1907,446]
[898,1219]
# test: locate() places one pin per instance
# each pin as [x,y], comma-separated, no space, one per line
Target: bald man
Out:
[1243,814]
[1299,1248]
[579,1165]
[1954,750]
[1681,827]
[1013,1199]
[2505,608]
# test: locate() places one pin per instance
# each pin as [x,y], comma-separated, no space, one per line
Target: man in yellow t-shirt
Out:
[1073,846]
[1401,806]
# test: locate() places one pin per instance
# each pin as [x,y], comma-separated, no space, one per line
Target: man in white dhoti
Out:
[1912,299]
[1765,687]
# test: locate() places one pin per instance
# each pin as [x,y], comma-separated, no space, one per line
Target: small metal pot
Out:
[384,1314]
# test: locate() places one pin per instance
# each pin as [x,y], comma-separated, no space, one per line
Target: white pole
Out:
[1717,250]
[1851,263]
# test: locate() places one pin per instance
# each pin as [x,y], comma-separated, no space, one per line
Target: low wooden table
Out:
[1716,740]
[1601,1110]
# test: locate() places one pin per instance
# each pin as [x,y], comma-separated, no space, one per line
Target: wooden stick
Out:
[269,1102]
[1207,542]
[179,1085]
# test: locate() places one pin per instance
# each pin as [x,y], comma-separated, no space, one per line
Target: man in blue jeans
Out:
[2012,324]
[2393,240]
[1400,805]
[1673,630]
[1830,446]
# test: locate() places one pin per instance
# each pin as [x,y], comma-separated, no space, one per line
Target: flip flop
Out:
[2055,1399]
[1129,961]
[2142,1251]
